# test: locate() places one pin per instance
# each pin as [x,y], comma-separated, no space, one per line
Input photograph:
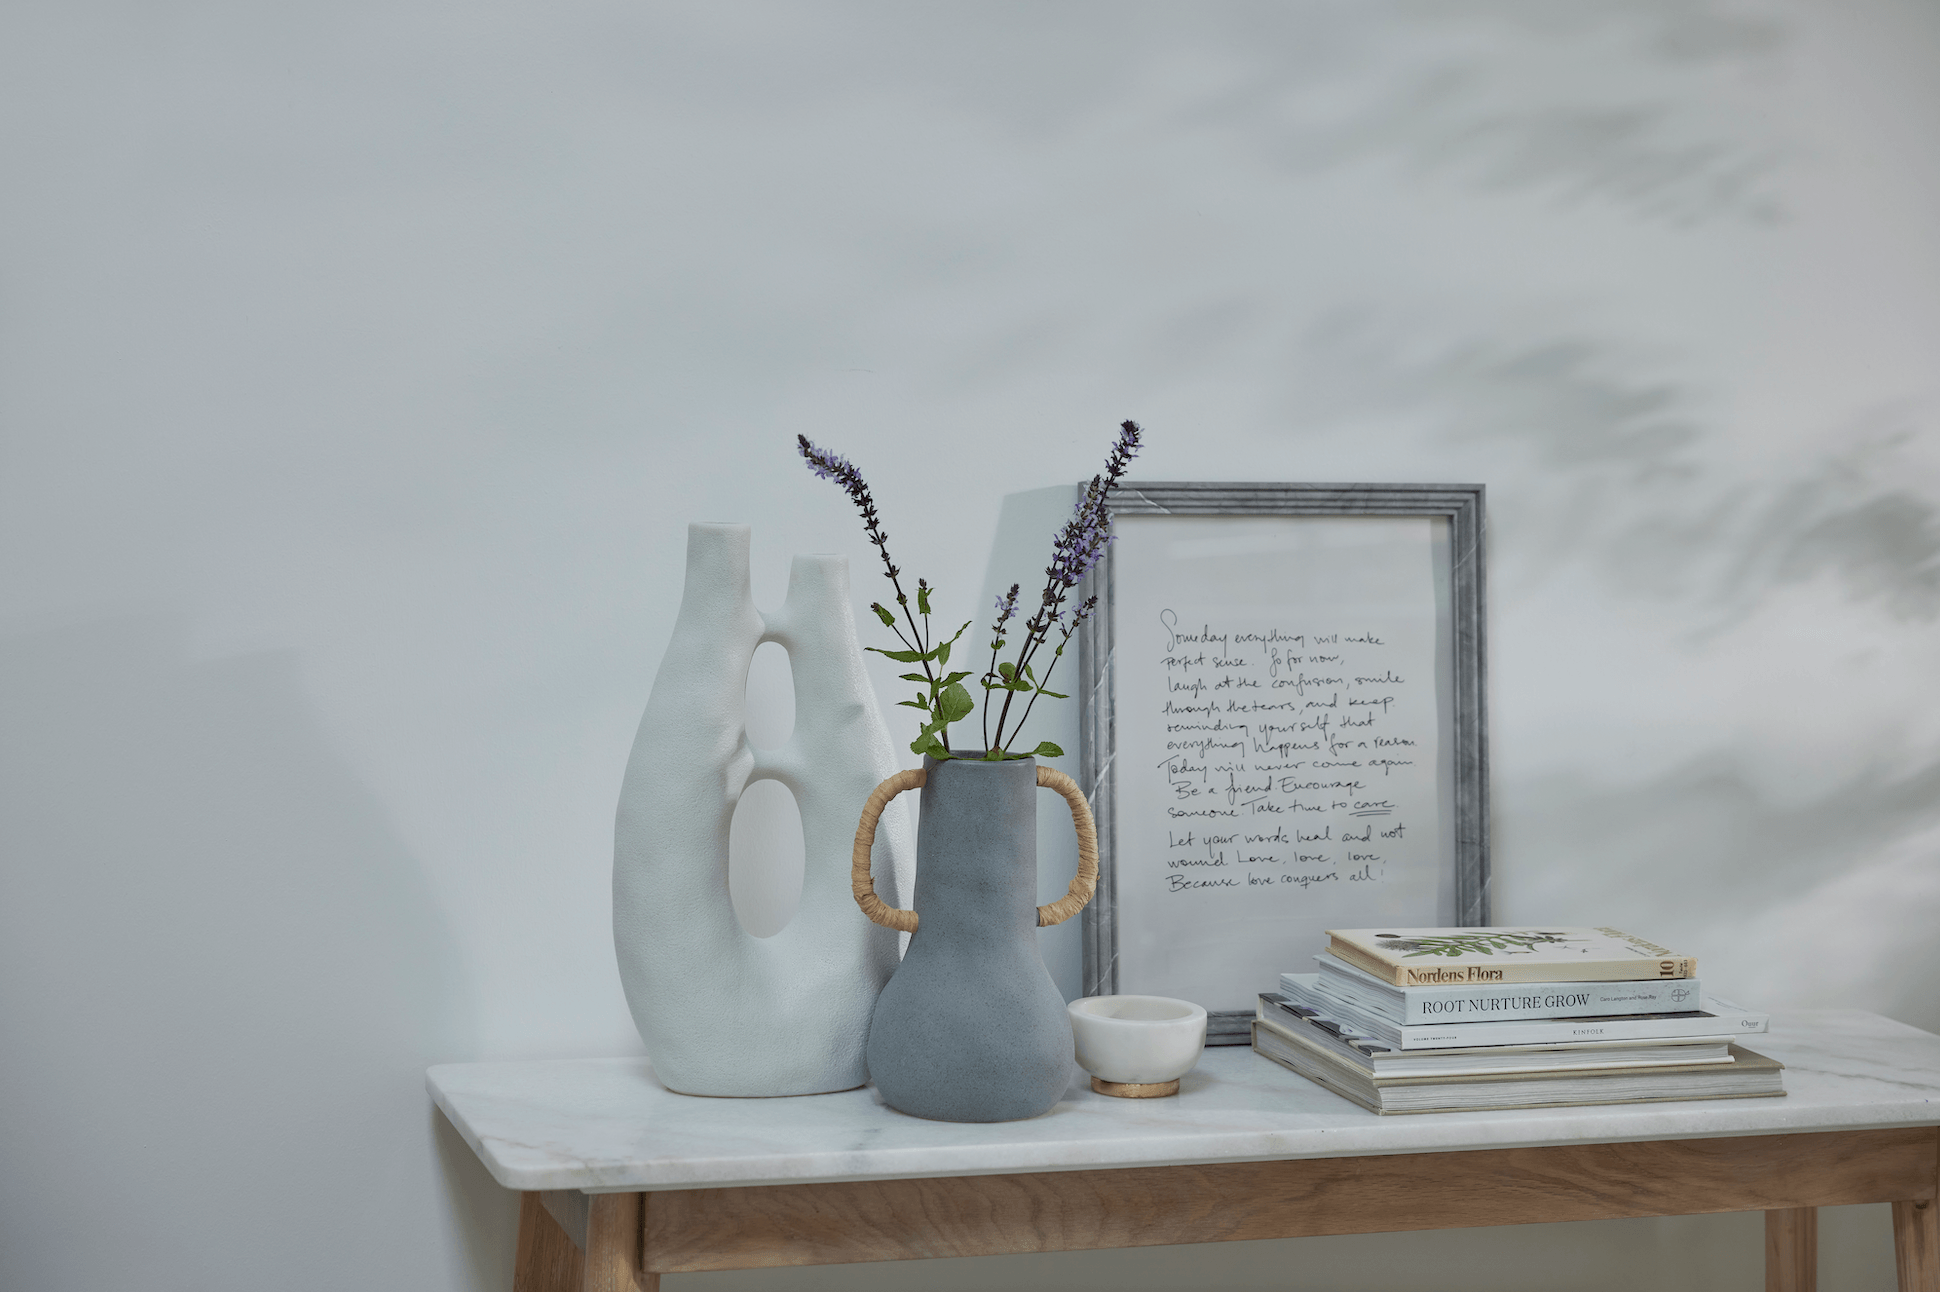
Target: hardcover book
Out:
[1748,1076]
[1717,1019]
[1452,957]
[1376,1059]
[1485,1004]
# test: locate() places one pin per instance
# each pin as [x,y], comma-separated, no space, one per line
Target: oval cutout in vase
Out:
[765,856]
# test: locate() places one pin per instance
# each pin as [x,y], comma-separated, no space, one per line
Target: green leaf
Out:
[955,704]
[1053,694]
[888,620]
[900,656]
[1025,687]
[924,705]
[954,677]
[913,677]
[922,599]
[1046,749]
[1008,669]
[943,653]
[927,743]
[1029,674]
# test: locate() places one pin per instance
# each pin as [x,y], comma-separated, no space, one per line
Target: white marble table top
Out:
[605,1125]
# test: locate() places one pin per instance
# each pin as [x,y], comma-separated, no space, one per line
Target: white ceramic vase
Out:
[723,1012]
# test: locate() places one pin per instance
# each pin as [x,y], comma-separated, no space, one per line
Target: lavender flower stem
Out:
[1076,548]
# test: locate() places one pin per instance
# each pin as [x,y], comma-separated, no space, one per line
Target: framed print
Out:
[1283,731]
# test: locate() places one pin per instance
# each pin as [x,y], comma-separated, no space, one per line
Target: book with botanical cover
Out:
[1748,1076]
[1717,1019]
[1444,957]
[1377,1059]
[1483,1003]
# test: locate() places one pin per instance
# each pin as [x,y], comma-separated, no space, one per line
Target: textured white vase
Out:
[724,1012]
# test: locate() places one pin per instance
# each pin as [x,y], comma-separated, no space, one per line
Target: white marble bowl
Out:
[1140,1044]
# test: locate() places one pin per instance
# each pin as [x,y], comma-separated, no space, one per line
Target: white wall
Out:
[361,364]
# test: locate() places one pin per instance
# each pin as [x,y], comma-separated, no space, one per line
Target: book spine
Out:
[1538,1032]
[1289,1056]
[1425,1005]
[1446,975]
[1360,959]
[1457,1036]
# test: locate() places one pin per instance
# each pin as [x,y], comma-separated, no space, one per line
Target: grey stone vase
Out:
[971,1028]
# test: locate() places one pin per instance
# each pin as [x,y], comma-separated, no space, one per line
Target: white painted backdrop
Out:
[361,364]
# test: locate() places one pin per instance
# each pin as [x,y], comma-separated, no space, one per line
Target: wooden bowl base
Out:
[1135,1089]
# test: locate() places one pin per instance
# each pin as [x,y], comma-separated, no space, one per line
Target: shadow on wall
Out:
[1601,460]
[1652,108]
[1740,710]
[1823,902]
[221,976]
[1585,103]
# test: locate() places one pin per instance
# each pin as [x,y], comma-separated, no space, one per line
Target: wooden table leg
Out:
[1792,1250]
[548,1260]
[615,1229]
[1916,1245]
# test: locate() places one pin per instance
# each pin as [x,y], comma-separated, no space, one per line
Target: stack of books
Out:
[1447,1020]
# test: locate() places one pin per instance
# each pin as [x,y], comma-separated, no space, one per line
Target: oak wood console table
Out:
[624,1181]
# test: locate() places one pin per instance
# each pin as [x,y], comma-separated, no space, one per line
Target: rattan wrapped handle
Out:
[861,883]
[890,917]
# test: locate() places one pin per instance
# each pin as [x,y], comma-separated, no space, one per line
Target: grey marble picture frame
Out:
[1462,505]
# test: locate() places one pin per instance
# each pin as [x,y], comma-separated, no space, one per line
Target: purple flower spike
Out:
[1006,607]
[1080,545]
[833,466]
[1076,550]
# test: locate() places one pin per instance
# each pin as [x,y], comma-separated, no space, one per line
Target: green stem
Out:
[1001,717]
[985,706]
[922,647]
[1033,640]
[936,686]
[1046,679]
